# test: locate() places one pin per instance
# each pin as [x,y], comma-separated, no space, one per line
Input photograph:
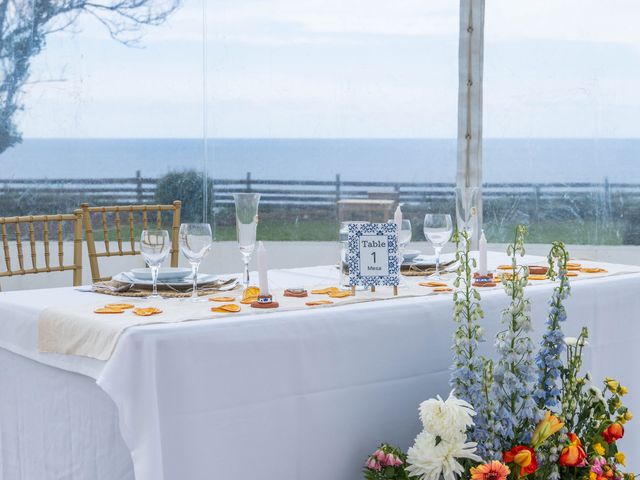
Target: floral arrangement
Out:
[527,413]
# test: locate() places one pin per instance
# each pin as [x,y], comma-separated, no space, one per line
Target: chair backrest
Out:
[48,228]
[111,222]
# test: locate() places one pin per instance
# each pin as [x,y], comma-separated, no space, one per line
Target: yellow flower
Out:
[613,384]
[599,449]
[620,458]
[549,425]
[593,476]
[628,415]
[623,390]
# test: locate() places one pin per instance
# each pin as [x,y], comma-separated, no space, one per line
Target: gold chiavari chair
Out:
[125,240]
[49,227]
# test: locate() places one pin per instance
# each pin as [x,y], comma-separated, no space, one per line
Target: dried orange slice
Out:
[318,302]
[106,310]
[593,270]
[248,300]
[573,268]
[572,274]
[221,299]
[442,289]
[573,264]
[227,308]
[537,277]
[119,306]
[325,291]
[340,294]
[504,267]
[146,312]
[432,284]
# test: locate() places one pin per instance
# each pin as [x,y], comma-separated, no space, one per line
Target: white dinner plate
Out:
[164,274]
[409,255]
[125,277]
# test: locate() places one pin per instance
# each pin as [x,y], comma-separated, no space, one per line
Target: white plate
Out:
[164,274]
[202,278]
[409,255]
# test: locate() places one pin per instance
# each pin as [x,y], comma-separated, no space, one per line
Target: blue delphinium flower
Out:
[552,346]
[515,408]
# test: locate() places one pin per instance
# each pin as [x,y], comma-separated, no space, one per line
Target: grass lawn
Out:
[586,233]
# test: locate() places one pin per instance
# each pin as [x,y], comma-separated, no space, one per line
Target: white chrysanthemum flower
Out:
[428,460]
[446,419]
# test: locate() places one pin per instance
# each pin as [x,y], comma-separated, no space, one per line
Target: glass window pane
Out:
[316,103]
[561,138]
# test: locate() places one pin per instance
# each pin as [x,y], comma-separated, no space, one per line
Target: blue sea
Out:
[421,160]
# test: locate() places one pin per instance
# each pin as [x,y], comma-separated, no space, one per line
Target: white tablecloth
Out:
[306,394]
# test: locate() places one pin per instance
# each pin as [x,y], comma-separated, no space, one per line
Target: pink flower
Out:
[380,455]
[598,463]
[373,464]
[390,460]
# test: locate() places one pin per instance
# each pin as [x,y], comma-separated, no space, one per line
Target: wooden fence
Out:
[141,189]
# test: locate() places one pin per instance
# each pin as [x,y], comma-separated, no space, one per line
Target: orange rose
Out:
[524,457]
[573,455]
[613,432]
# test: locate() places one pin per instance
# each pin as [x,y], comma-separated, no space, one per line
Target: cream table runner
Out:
[77,330]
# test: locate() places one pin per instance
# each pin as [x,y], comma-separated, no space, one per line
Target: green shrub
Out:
[186,186]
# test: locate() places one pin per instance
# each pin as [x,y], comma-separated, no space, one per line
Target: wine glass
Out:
[246,225]
[438,229]
[195,244]
[467,199]
[155,245]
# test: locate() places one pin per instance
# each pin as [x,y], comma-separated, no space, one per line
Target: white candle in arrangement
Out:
[262,269]
[397,218]
[482,258]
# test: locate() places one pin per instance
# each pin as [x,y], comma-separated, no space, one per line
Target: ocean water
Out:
[420,160]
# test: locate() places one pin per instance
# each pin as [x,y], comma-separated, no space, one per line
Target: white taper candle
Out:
[397,218]
[262,269]
[482,259]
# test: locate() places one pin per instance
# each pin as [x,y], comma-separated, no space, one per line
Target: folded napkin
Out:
[422,269]
[132,289]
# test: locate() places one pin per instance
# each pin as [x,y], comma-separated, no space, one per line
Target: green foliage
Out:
[186,186]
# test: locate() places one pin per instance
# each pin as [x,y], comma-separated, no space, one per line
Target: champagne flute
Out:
[438,229]
[467,199]
[195,243]
[246,225]
[155,246]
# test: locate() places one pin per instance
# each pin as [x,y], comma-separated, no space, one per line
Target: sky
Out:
[342,68]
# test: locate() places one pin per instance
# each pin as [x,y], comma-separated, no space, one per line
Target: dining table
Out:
[297,392]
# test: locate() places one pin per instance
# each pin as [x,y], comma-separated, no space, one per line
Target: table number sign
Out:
[373,255]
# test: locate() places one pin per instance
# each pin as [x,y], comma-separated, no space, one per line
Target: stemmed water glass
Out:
[246,225]
[438,229]
[195,244]
[155,245]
